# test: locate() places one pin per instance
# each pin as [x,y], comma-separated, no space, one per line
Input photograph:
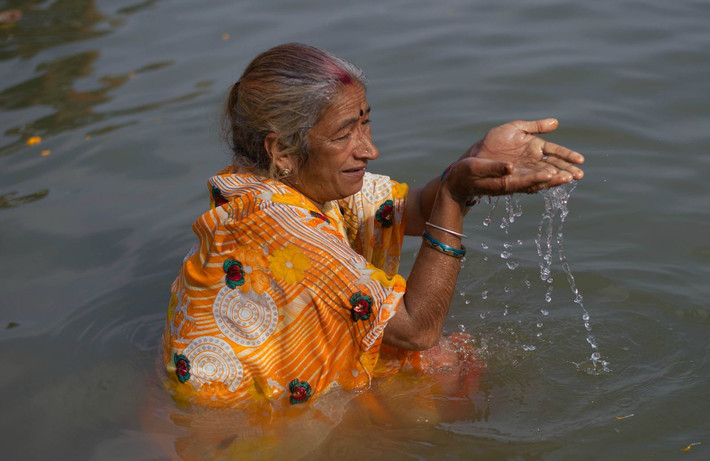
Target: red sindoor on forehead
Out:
[336,71]
[343,77]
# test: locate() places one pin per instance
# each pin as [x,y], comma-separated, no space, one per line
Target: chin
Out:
[356,189]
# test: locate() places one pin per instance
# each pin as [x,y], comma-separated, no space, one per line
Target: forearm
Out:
[431,283]
[420,202]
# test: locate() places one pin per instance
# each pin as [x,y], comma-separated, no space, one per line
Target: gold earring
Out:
[285,172]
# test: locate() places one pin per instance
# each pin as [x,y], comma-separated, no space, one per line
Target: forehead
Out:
[346,103]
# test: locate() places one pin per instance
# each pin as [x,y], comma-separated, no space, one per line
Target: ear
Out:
[279,156]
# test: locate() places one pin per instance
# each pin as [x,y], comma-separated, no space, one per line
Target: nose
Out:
[367,149]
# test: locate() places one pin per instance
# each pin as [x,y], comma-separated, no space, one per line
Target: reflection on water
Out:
[391,411]
[74,108]
[53,88]
[40,27]
[44,25]
[10,200]
[60,22]
[34,26]
[65,93]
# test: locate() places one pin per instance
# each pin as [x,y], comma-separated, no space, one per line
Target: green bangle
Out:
[443,248]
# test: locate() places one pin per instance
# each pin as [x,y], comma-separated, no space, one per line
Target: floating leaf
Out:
[33,140]
[690,446]
[9,200]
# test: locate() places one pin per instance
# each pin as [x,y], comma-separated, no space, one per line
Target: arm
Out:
[420,316]
[507,160]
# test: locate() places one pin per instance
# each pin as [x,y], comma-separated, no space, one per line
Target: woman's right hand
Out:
[472,176]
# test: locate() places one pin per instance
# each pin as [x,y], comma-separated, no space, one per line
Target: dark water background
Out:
[126,96]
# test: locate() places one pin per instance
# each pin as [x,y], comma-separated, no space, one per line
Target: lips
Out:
[356,171]
[355,174]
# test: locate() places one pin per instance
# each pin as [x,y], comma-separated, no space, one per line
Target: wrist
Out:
[446,171]
[447,198]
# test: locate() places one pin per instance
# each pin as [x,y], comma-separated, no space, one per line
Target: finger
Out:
[550,148]
[563,166]
[534,189]
[556,181]
[482,168]
[544,125]
[510,184]
[524,181]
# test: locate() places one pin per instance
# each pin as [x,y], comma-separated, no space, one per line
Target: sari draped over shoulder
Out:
[278,301]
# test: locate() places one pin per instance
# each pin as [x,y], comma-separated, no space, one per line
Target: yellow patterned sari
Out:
[278,302]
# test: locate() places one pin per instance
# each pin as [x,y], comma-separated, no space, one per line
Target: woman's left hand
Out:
[516,144]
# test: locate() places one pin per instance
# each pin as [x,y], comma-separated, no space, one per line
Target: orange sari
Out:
[279,302]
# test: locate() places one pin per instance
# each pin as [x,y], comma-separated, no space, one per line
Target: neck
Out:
[294,185]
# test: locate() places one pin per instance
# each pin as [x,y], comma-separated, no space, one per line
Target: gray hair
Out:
[284,90]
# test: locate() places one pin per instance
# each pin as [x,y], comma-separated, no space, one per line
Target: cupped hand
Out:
[515,143]
[472,176]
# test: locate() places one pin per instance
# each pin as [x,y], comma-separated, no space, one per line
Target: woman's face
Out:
[341,145]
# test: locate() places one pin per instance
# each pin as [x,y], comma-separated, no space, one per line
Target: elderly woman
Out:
[292,287]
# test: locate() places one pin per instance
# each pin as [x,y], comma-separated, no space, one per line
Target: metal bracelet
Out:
[457,234]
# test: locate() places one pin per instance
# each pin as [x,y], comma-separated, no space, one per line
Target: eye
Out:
[343,137]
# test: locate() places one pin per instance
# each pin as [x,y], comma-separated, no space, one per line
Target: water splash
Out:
[549,243]
[492,202]
[513,209]
[550,234]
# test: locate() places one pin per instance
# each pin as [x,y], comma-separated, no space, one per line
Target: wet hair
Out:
[284,90]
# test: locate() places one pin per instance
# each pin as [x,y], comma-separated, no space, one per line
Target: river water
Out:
[125,98]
